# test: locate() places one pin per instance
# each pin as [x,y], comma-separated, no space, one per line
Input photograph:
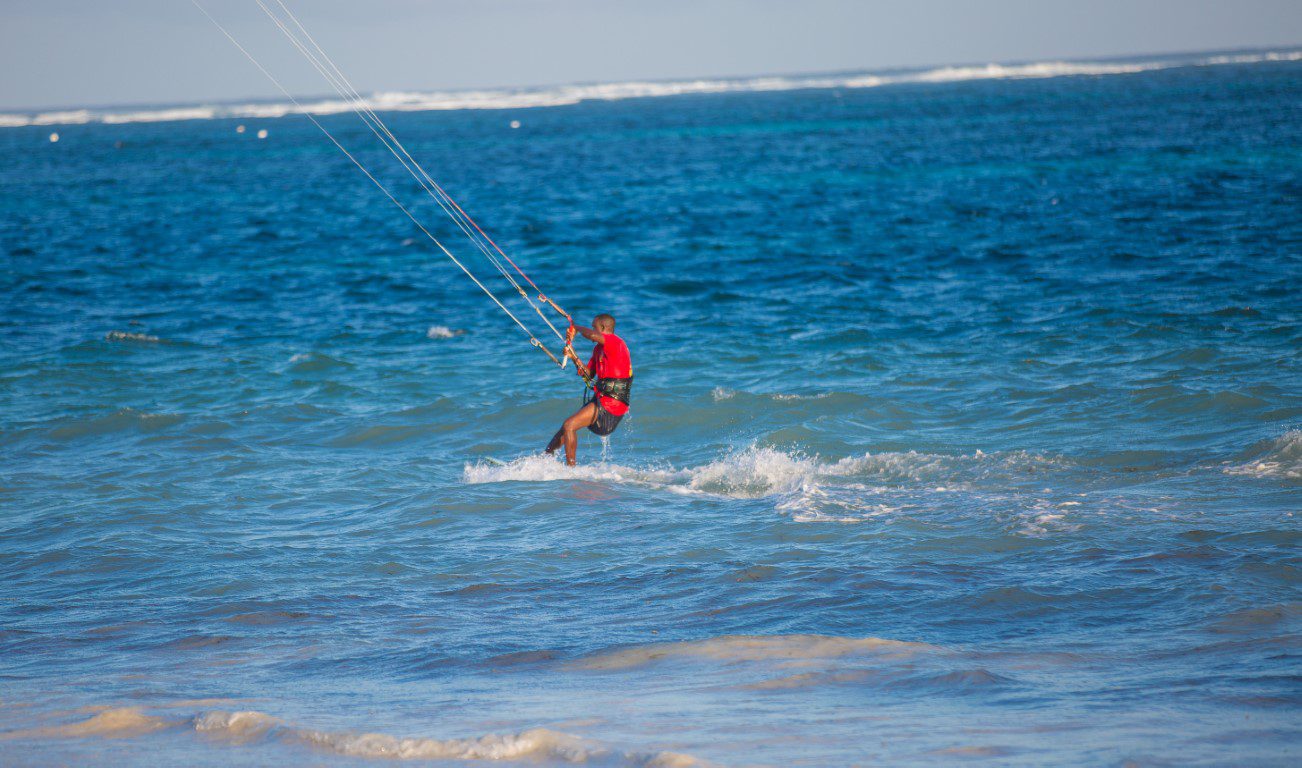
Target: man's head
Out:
[603,323]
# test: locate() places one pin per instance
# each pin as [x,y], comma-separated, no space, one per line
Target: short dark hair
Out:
[603,319]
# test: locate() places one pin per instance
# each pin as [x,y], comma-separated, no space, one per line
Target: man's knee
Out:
[578,421]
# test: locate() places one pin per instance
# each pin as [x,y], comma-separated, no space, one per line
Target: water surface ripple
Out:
[967,428]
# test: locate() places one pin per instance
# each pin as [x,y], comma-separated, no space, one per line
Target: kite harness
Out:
[617,389]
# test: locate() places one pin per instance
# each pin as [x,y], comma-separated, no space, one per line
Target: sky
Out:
[63,53]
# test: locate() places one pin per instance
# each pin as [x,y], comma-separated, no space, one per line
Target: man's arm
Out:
[579,367]
[595,337]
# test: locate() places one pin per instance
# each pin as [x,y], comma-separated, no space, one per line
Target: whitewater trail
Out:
[807,488]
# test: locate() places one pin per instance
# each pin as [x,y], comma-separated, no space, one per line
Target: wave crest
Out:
[734,648]
[108,723]
[1281,458]
[535,743]
[237,727]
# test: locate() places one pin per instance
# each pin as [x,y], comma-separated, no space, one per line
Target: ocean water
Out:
[967,429]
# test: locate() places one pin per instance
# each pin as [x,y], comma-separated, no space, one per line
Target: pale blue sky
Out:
[101,52]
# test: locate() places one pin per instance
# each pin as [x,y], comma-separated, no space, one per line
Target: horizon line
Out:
[175,111]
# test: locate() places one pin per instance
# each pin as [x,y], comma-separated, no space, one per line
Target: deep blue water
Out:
[966,429]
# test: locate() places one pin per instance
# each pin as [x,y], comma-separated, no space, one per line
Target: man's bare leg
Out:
[556,441]
[568,433]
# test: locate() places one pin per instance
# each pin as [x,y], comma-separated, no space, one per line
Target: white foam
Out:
[130,336]
[1256,58]
[1027,71]
[67,117]
[237,727]
[523,98]
[804,487]
[752,473]
[1045,517]
[1282,458]
[543,468]
[535,744]
[538,743]
[442,332]
[159,115]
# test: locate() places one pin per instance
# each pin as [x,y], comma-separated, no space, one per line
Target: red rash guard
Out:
[610,360]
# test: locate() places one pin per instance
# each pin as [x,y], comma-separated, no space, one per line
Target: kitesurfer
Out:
[613,371]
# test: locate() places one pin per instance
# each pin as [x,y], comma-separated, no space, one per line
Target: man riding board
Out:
[613,369]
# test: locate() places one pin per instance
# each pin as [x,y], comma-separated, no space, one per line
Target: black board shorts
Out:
[606,421]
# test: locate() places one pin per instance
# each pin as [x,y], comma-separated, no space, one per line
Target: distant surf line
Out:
[566,95]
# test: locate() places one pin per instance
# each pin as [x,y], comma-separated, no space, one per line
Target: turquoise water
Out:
[966,429]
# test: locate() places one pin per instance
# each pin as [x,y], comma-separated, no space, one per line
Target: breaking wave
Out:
[131,336]
[443,332]
[1281,457]
[121,420]
[851,489]
[248,727]
[108,723]
[523,98]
